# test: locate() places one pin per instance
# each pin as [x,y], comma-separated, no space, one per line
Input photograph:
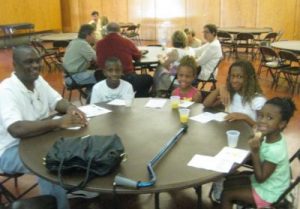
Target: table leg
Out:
[198,190]
[156,200]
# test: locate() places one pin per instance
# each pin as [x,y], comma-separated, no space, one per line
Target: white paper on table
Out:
[220,116]
[232,154]
[156,103]
[210,163]
[203,117]
[185,104]
[93,110]
[117,102]
[207,116]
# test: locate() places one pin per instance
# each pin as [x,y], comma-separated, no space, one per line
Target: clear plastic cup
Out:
[232,137]
[175,101]
[184,115]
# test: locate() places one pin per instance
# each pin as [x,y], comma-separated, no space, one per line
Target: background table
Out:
[9,30]
[287,45]
[152,56]
[254,31]
[143,131]
[59,37]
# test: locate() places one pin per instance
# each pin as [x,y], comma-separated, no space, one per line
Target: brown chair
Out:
[39,202]
[244,41]
[9,196]
[211,78]
[49,55]
[269,38]
[291,72]
[82,89]
[271,61]
[280,34]
[266,41]
[282,202]
[226,42]
[132,32]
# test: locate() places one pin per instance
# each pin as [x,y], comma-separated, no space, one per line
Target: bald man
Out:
[114,45]
[24,113]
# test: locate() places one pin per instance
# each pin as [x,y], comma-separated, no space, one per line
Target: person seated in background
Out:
[192,40]
[80,55]
[114,45]
[25,104]
[169,62]
[104,22]
[113,87]
[98,24]
[271,169]
[209,54]
[186,73]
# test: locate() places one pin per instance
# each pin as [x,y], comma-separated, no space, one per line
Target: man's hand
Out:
[73,110]
[69,120]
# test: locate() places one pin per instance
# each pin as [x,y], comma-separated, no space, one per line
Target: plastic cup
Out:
[184,115]
[232,137]
[175,101]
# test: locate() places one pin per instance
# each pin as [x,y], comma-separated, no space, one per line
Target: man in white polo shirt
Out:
[26,100]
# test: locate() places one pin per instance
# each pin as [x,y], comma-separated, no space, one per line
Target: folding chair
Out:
[282,201]
[226,42]
[49,55]
[246,41]
[271,61]
[38,202]
[266,41]
[132,32]
[10,197]
[291,72]
[211,79]
[81,88]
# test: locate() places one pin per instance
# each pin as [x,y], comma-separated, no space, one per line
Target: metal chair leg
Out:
[156,200]
[198,190]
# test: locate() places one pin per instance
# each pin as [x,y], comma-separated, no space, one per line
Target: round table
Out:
[59,37]
[254,31]
[287,45]
[144,131]
[151,57]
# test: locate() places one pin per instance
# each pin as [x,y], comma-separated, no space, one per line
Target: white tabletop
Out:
[59,37]
[287,45]
[152,55]
[245,30]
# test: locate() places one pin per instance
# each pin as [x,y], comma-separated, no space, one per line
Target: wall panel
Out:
[238,13]
[169,18]
[297,21]
[46,14]
[164,16]
[87,7]
[280,15]
[201,12]
[116,10]
[148,19]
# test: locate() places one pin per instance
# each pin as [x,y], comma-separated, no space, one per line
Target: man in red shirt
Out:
[114,45]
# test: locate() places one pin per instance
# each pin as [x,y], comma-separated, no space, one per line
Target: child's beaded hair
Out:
[286,105]
[188,61]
